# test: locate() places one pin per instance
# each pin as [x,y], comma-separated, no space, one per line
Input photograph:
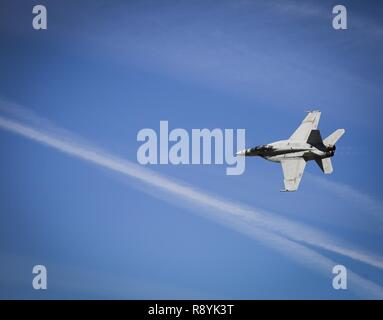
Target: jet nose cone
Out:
[241,153]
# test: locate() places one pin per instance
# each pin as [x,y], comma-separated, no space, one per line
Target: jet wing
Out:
[309,123]
[292,173]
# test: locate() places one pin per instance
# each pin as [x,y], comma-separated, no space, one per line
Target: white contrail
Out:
[267,228]
[293,230]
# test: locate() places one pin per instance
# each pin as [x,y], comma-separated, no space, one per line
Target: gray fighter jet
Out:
[304,145]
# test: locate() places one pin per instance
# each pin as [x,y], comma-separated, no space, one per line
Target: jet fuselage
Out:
[304,144]
[286,149]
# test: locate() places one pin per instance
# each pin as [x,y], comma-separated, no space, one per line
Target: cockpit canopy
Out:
[263,147]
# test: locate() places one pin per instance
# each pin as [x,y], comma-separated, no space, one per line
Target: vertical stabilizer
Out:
[315,140]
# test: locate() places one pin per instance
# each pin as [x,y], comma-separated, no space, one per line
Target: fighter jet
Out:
[304,145]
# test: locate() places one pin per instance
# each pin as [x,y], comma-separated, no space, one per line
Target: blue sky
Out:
[104,70]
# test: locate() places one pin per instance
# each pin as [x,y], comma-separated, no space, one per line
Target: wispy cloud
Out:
[281,234]
[344,191]
[323,10]
[85,281]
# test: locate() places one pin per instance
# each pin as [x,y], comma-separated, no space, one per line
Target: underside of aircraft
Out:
[305,144]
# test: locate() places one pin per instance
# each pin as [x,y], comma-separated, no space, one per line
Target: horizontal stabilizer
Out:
[334,137]
[325,164]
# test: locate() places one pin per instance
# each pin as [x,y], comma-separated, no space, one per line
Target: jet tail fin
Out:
[334,137]
[325,164]
[315,139]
